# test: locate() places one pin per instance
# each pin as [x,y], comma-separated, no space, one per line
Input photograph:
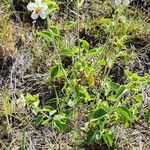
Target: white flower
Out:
[119,2]
[126,2]
[39,9]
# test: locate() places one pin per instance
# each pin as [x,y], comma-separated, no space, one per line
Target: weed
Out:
[78,57]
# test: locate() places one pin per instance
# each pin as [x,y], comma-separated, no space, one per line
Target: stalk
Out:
[78,28]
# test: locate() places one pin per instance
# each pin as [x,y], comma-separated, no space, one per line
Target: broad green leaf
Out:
[112,98]
[84,44]
[146,115]
[106,21]
[132,76]
[61,122]
[93,52]
[49,109]
[45,34]
[108,138]
[75,49]
[102,62]
[35,109]
[45,122]
[120,91]
[79,66]
[98,113]
[81,92]
[54,71]
[124,111]
[90,136]
[110,86]
[52,5]
[67,52]
[110,62]
[114,86]
[32,100]
[54,30]
[69,25]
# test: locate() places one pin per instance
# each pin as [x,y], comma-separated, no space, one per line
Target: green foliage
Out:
[108,138]
[146,114]
[52,5]
[124,111]
[6,104]
[54,71]
[61,122]
[50,34]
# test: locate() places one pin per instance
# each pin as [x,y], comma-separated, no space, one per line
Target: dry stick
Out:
[3,145]
[144,126]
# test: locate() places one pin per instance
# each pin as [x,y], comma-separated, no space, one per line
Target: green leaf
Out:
[49,109]
[106,21]
[146,115]
[75,49]
[124,111]
[45,122]
[108,138]
[67,52]
[32,100]
[39,120]
[81,92]
[61,122]
[54,71]
[84,44]
[45,34]
[98,113]
[112,98]
[120,91]
[90,136]
[102,62]
[52,6]
[132,76]
[113,86]
[54,30]
[69,25]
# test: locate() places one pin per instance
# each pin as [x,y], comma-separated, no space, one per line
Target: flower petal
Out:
[43,14]
[117,2]
[31,6]
[44,6]
[34,16]
[38,2]
[126,3]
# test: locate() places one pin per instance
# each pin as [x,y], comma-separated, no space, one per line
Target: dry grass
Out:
[7,45]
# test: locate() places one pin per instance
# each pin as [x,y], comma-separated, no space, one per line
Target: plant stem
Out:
[78,28]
